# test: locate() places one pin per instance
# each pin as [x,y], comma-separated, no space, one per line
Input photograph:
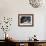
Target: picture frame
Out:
[26,20]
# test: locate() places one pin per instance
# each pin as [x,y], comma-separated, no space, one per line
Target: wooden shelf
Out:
[24,42]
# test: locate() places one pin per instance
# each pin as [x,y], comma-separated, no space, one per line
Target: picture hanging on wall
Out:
[25,20]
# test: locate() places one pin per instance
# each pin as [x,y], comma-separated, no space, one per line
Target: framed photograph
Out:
[25,19]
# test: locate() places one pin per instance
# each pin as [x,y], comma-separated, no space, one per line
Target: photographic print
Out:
[25,20]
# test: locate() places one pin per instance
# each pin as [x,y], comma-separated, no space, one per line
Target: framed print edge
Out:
[24,25]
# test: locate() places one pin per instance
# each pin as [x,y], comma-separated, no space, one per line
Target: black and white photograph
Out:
[22,22]
[25,19]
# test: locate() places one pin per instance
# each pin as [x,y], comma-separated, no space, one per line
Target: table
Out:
[27,42]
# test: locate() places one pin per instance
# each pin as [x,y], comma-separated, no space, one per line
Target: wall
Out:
[11,8]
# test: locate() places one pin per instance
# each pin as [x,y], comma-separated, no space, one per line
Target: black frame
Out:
[27,24]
